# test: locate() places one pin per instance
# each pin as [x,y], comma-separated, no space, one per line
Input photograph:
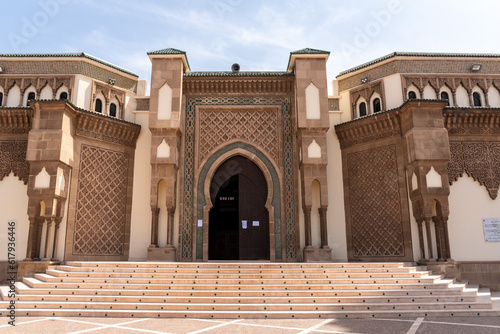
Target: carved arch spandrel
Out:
[13,159]
[480,160]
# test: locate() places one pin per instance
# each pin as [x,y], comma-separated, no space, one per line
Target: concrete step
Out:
[239,265]
[252,314]
[222,307]
[225,275]
[235,299]
[238,280]
[456,290]
[246,270]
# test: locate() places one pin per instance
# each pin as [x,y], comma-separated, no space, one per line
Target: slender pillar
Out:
[486,100]
[307,225]
[38,244]
[421,239]
[454,93]
[33,232]
[439,238]
[323,227]
[57,222]
[47,240]
[471,99]
[446,239]
[429,238]
[170,226]
[154,226]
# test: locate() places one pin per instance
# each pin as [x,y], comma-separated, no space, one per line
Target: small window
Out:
[376,105]
[98,105]
[362,109]
[445,96]
[31,96]
[412,95]
[477,99]
[1,99]
[63,96]
[112,110]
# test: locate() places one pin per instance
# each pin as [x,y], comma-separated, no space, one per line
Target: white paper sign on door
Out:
[244,224]
[255,223]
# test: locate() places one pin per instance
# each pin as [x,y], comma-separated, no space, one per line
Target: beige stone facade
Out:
[375,171]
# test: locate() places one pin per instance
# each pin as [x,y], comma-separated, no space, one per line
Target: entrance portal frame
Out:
[273,201]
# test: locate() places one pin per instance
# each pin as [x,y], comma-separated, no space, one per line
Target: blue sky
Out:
[258,35]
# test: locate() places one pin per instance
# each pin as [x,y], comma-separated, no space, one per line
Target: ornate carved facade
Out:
[174,181]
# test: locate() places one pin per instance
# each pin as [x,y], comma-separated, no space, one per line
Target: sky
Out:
[258,35]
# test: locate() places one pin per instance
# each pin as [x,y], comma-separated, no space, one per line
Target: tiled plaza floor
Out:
[429,325]
[461,325]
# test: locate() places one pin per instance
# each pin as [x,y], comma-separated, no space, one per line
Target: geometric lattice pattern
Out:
[102,202]
[13,159]
[256,126]
[187,222]
[376,221]
[289,180]
[480,160]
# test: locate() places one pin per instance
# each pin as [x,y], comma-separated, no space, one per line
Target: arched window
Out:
[477,99]
[362,109]
[98,105]
[31,96]
[1,99]
[445,96]
[412,95]
[376,105]
[112,110]
[63,96]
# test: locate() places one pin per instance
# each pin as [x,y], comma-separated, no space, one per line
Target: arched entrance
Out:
[238,220]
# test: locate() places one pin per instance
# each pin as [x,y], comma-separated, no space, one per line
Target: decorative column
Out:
[31,252]
[323,227]
[57,222]
[421,238]
[48,228]
[155,213]
[38,245]
[170,227]
[307,226]
[438,228]
[447,256]
[429,238]
[454,93]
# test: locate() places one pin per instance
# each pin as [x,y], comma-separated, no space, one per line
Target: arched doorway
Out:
[238,220]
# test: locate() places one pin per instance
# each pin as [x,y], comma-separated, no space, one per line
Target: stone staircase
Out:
[243,290]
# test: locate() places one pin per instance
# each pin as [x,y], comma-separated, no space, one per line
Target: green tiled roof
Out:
[420,54]
[237,74]
[169,51]
[309,51]
[74,54]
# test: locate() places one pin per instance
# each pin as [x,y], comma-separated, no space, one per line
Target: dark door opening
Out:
[239,220]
